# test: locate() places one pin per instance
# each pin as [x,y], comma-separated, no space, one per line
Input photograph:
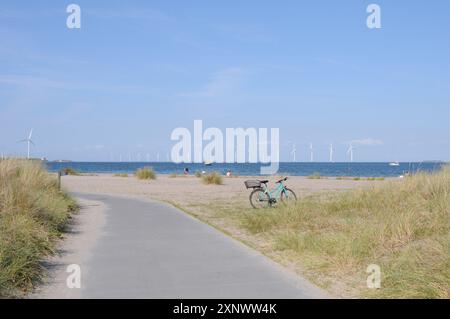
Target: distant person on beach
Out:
[228,173]
[186,171]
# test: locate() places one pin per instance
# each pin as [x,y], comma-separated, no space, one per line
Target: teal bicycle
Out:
[263,197]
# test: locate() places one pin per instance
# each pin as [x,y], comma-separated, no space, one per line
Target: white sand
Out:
[190,190]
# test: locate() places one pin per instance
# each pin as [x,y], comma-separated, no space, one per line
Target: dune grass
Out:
[145,173]
[212,178]
[401,225]
[33,213]
[316,176]
[121,175]
[375,178]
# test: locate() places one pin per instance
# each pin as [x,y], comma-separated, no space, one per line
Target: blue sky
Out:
[137,70]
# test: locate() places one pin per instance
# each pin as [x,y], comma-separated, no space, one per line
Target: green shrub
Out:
[212,178]
[315,176]
[145,173]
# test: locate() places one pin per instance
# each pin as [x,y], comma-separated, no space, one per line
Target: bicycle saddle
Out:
[264,182]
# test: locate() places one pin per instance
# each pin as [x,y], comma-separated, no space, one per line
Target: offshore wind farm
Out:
[292,167]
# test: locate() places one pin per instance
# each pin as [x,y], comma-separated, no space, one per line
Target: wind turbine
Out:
[294,152]
[331,153]
[311,150]
[29,142]
[350,151]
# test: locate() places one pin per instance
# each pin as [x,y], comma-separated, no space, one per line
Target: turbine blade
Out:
[31,134]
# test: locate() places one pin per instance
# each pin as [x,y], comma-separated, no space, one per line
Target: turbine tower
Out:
[331,153]
[350,151]
[311,150]
[294,152]
[29,142]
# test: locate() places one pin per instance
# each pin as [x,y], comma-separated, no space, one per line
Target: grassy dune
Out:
[403,226]
[33,213]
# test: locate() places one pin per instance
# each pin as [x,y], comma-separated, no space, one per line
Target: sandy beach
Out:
[186,191]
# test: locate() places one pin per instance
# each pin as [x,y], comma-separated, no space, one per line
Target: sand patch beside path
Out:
[84,230]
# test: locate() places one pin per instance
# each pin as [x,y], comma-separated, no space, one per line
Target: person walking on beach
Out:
[186,171]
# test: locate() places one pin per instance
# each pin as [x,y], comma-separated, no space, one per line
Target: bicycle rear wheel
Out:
[259,199]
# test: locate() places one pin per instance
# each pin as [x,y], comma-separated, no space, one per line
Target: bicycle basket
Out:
[252,184]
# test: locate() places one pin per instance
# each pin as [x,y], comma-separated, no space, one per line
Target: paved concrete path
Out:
[153,250]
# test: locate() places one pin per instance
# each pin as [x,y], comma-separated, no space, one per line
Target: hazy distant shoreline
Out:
[341,169]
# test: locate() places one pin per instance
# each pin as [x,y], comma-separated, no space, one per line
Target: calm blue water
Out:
[292,169]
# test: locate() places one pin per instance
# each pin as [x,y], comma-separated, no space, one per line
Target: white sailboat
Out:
[394,164]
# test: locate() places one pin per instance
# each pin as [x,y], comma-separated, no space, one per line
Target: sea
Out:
[252,169]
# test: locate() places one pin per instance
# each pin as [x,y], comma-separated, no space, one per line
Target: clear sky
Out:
[138,69]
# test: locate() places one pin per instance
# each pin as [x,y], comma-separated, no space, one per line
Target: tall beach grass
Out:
[33,213]
[145,173]
[212,178]
[402,225]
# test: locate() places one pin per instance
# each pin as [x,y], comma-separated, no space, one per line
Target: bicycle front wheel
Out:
[259,199]
[288,196]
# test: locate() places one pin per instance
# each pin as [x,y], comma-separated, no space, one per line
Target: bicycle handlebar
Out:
[282,180]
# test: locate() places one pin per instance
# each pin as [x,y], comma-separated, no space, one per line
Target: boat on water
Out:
[394,164]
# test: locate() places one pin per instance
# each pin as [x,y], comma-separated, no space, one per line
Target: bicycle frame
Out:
[274,193]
